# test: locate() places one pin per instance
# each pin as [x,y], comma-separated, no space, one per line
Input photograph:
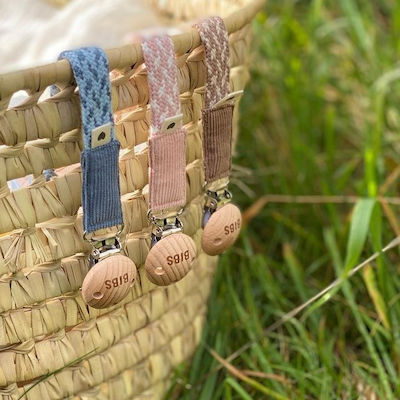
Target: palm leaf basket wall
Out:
[128,351]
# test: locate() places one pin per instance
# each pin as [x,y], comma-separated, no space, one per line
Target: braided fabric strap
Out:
[167,142]
[215,39]
[217,121]
[100,188]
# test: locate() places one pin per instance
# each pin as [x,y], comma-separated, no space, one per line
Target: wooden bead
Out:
[221,230]
[170,259]
[109,281]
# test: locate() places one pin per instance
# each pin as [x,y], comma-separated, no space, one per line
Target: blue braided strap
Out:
[100,192]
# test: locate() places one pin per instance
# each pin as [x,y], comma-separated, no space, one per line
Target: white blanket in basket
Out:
[34,32]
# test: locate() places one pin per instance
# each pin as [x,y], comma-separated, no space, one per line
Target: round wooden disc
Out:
[109,281]
[221,230]
[170,259]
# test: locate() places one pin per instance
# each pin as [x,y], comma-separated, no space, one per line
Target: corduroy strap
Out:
[100,188]
[167,142]
[217,120]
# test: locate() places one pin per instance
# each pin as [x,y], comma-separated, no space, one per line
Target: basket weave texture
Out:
[128,351]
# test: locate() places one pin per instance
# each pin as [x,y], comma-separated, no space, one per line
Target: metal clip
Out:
[105,246]
[215,199]
[172,124]
[103,249]
[165,225]
[229,99]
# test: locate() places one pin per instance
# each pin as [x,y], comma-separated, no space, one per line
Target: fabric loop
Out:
[162,72]
[100,170]
[167,147]
[217,121]
[214,37]
[90,67]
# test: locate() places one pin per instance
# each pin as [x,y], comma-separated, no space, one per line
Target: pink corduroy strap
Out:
[217,121]
[167,150]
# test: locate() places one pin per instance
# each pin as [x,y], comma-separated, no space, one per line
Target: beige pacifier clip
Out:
[172,253]
[222,219]
[111,274]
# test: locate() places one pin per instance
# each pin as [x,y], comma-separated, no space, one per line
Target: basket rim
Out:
[33,79]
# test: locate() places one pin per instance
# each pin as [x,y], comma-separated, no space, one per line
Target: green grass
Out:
[320,117]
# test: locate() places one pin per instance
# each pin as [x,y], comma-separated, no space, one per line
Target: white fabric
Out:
[34,32]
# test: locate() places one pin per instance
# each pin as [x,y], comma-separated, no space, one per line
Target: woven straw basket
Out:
[128,351]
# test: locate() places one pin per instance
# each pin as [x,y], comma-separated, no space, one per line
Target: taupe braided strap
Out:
[216,45]
[217,121]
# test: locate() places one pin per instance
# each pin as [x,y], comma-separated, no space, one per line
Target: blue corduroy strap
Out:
[100,192]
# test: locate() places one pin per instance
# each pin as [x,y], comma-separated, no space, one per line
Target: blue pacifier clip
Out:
[100,189]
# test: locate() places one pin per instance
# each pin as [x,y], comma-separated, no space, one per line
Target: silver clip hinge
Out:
[103,249]
[215,199]
[165,226]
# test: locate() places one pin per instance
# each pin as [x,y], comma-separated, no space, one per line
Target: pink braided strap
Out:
[215,39]
[162,72]
[167,158]
[217,121]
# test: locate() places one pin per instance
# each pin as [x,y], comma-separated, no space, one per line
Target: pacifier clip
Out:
[221,219]
[111,273]
[172,252]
